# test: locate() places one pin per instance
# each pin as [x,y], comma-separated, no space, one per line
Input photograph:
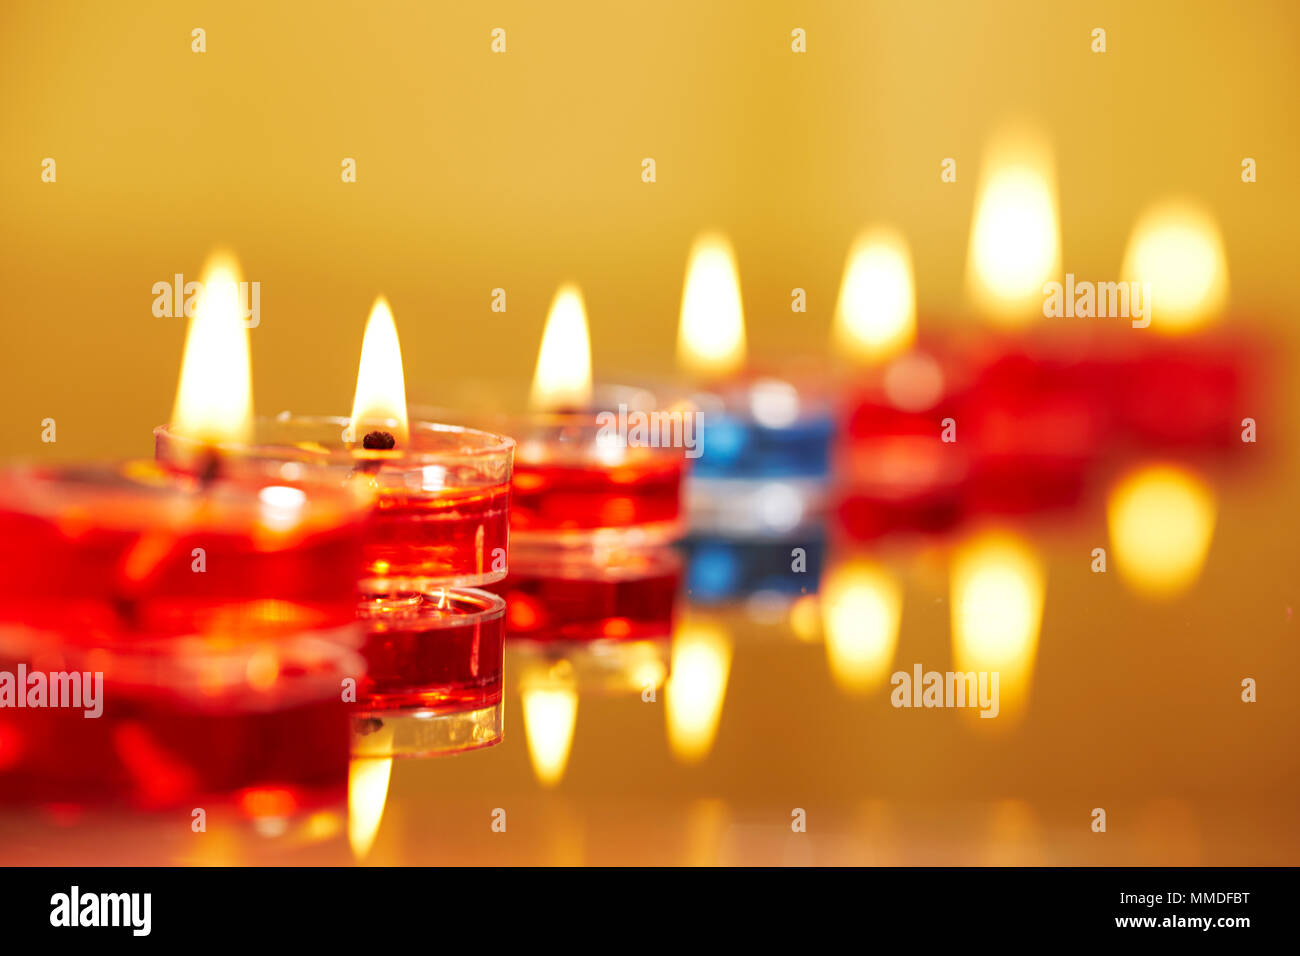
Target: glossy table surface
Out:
[1133,706]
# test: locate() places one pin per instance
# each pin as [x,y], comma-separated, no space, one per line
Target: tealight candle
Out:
[440,520]
[895,470]
[766,434]
[438,658]
[119,553]
[190,721]
[595,501]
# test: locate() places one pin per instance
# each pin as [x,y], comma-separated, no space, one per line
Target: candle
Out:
[1182,385]
[441,492]
[257,726]
[436,654]
[760,428]
[759,489]
[1030,415]
[439,523]
[117,553]
[895,472]
[596,499]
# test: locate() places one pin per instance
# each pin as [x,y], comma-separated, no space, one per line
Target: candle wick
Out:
[209,467]
[378,441]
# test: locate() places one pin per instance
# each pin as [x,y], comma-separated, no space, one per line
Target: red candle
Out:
[191,722]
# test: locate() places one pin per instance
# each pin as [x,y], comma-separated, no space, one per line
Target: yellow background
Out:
[522,170]
[479,170]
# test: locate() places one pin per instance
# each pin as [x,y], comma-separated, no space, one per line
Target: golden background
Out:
[478,171]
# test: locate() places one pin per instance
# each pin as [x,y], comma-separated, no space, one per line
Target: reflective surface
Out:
[1132,706]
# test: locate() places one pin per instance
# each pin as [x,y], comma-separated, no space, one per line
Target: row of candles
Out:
[272,596]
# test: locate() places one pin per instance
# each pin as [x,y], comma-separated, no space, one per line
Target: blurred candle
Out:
[894,471]
[998,583]
[862,603]
[696,688]
[1161,521]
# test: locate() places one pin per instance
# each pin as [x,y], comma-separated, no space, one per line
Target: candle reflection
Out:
[862,604]
[697,685]
[368,779]
[1161,521]
[998,583]
[550,716]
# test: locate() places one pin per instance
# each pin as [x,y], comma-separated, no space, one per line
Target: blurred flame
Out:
[697,684]
[563,375]
[711,333]
[550,715]
[381,388]
[1015,243]
[1161,521]
[214,400]
[998,584]
[862,603]
[1176,246]
[367,794]
[875,318]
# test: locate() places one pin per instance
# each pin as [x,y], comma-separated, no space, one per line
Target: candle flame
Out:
[563,375]
[696,687]
[1176,246]
[711,333]
[998,584]
[367,795]
[862,605]
[1015,244]
[550,716]
[875,318]
[1161,521]
[380,398]
[214,400]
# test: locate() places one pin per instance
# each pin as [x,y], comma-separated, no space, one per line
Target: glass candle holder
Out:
[893,470]
[182,723]
[607,474]
[434,673]
[612,595]
[441,504]
[103,553]
[607,612]
[765,456]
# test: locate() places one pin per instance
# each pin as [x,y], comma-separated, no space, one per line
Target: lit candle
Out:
[759,486]
[895,470]
[1029,417]
[596,501]
[438,528]
[206,621]
[1186,383]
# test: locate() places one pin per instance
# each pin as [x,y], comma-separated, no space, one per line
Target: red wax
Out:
[1035,428]
[439,651]
[272,750]
[101,563]
[629,599]
[560,497]
[1186,396]
[452,533]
